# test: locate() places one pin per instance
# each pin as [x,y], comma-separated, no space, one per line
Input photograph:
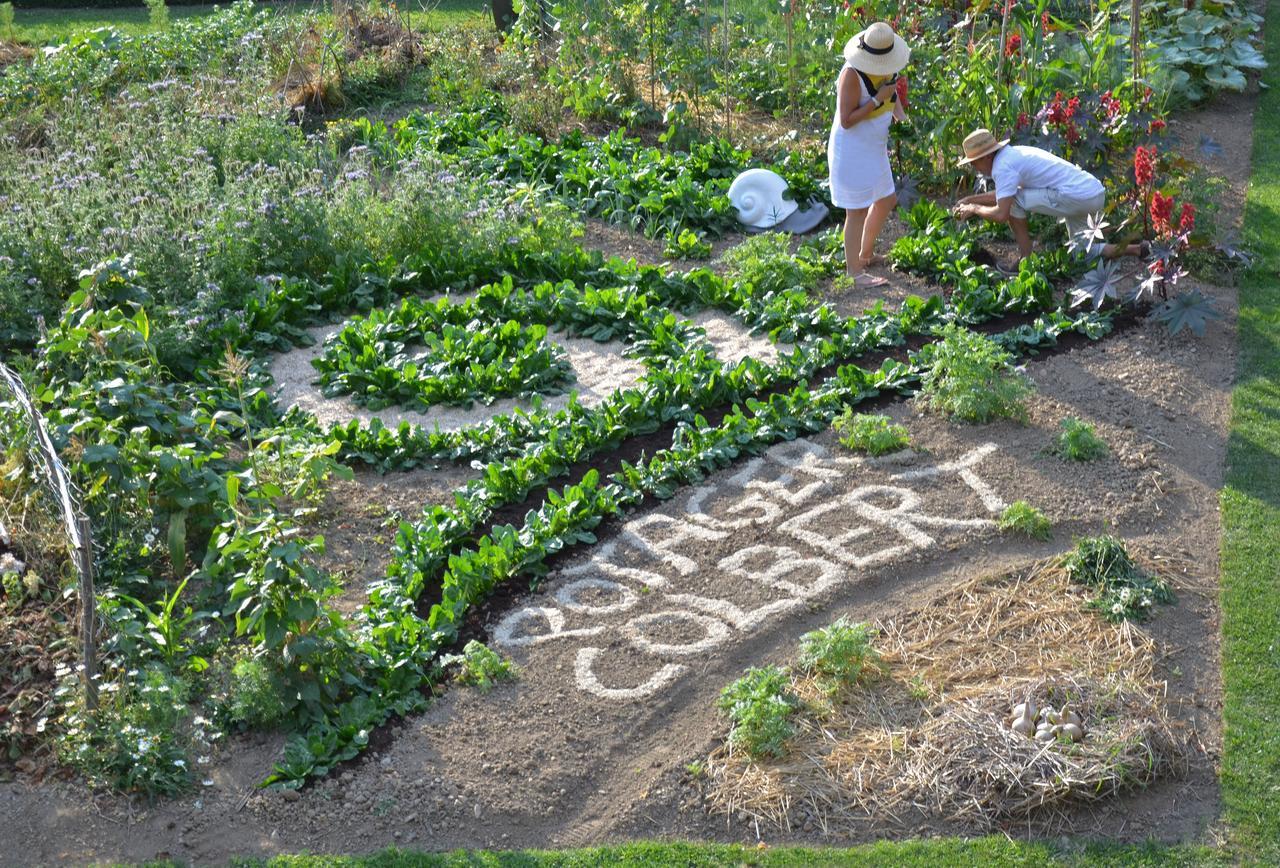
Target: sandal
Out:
[868,281]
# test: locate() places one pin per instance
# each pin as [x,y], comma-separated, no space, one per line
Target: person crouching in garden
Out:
[858,149]
[1033,181]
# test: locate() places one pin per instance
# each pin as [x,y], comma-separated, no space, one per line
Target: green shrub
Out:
[765,261]
[158,13]
[1024,518]
[137,740]
[480,666]
[760,705]
[839,655]
[7,29]
[875,435]
[970,377]
[1124,590]
[253,695]
[1078,442]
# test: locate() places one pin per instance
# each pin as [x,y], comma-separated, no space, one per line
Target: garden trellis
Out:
[55,476]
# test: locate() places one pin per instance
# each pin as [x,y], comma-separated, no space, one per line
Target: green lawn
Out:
[42,26]
[1251,508]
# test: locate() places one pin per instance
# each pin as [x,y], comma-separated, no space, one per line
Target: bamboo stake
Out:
[88,614]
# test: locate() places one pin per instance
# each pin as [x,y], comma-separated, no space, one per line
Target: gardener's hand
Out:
[962,211]
[884,93]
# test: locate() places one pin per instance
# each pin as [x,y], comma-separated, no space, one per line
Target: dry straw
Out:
[930,740]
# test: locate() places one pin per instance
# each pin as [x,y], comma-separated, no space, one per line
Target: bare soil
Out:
[540,761]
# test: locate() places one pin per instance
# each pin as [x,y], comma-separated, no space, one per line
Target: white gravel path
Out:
[599,369]
[733,342]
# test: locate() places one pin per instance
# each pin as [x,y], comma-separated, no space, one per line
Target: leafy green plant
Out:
[970,377]
[760,705]
[1124,590]
[137,740]
[7,29]
[164,628]
[157,14]
[839,655]
[687,245]
[1078,442]
[252,697]
[875,435]
[1201,50]
[462,361]
[480,666]
[1022,517]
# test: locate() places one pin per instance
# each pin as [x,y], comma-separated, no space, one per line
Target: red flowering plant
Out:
[1168,239]
[1087,128]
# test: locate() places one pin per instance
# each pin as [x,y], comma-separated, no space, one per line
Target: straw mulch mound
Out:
[12,52]
[930,740]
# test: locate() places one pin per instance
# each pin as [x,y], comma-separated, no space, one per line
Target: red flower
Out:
[901,87]
[1056,112]
[1046,25]
[1073,133]
[1162,212]
[1110,105]
[1144,169]
[1012,46]
[1187,222]
[1073,105]
[1157,125]
[1024,121]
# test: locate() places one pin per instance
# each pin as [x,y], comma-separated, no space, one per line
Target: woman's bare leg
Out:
[1116,251]
[854,218]
[871,227]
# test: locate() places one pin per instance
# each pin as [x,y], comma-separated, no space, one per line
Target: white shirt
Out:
[1021,167]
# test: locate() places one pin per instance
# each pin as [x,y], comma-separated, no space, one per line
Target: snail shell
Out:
[757,194]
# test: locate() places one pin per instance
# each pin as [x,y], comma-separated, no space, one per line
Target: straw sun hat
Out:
[978,144]
[877,50]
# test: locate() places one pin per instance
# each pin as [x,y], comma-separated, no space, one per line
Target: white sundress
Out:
[858,157]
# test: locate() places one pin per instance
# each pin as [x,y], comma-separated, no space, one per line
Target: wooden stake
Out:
[88,614]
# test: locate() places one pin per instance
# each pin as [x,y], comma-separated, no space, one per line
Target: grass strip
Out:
[50,25]
[1251,508]
[988,852]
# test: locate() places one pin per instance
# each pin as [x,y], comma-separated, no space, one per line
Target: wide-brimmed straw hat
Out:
[978,144]
[877,50]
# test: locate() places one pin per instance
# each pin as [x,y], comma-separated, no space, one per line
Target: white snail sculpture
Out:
[757,194]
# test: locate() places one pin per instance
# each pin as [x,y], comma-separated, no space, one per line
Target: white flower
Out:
[182,764]
[10,564]
[1117,609]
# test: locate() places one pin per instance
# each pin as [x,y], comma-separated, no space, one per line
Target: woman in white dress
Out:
[858,150]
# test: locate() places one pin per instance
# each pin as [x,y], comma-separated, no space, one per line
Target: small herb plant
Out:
[687,245]
[840,655]
[875,435]
[481,666]
[1124,590]
[1078,442]
[760,705]
[1022,517]
[970,377]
